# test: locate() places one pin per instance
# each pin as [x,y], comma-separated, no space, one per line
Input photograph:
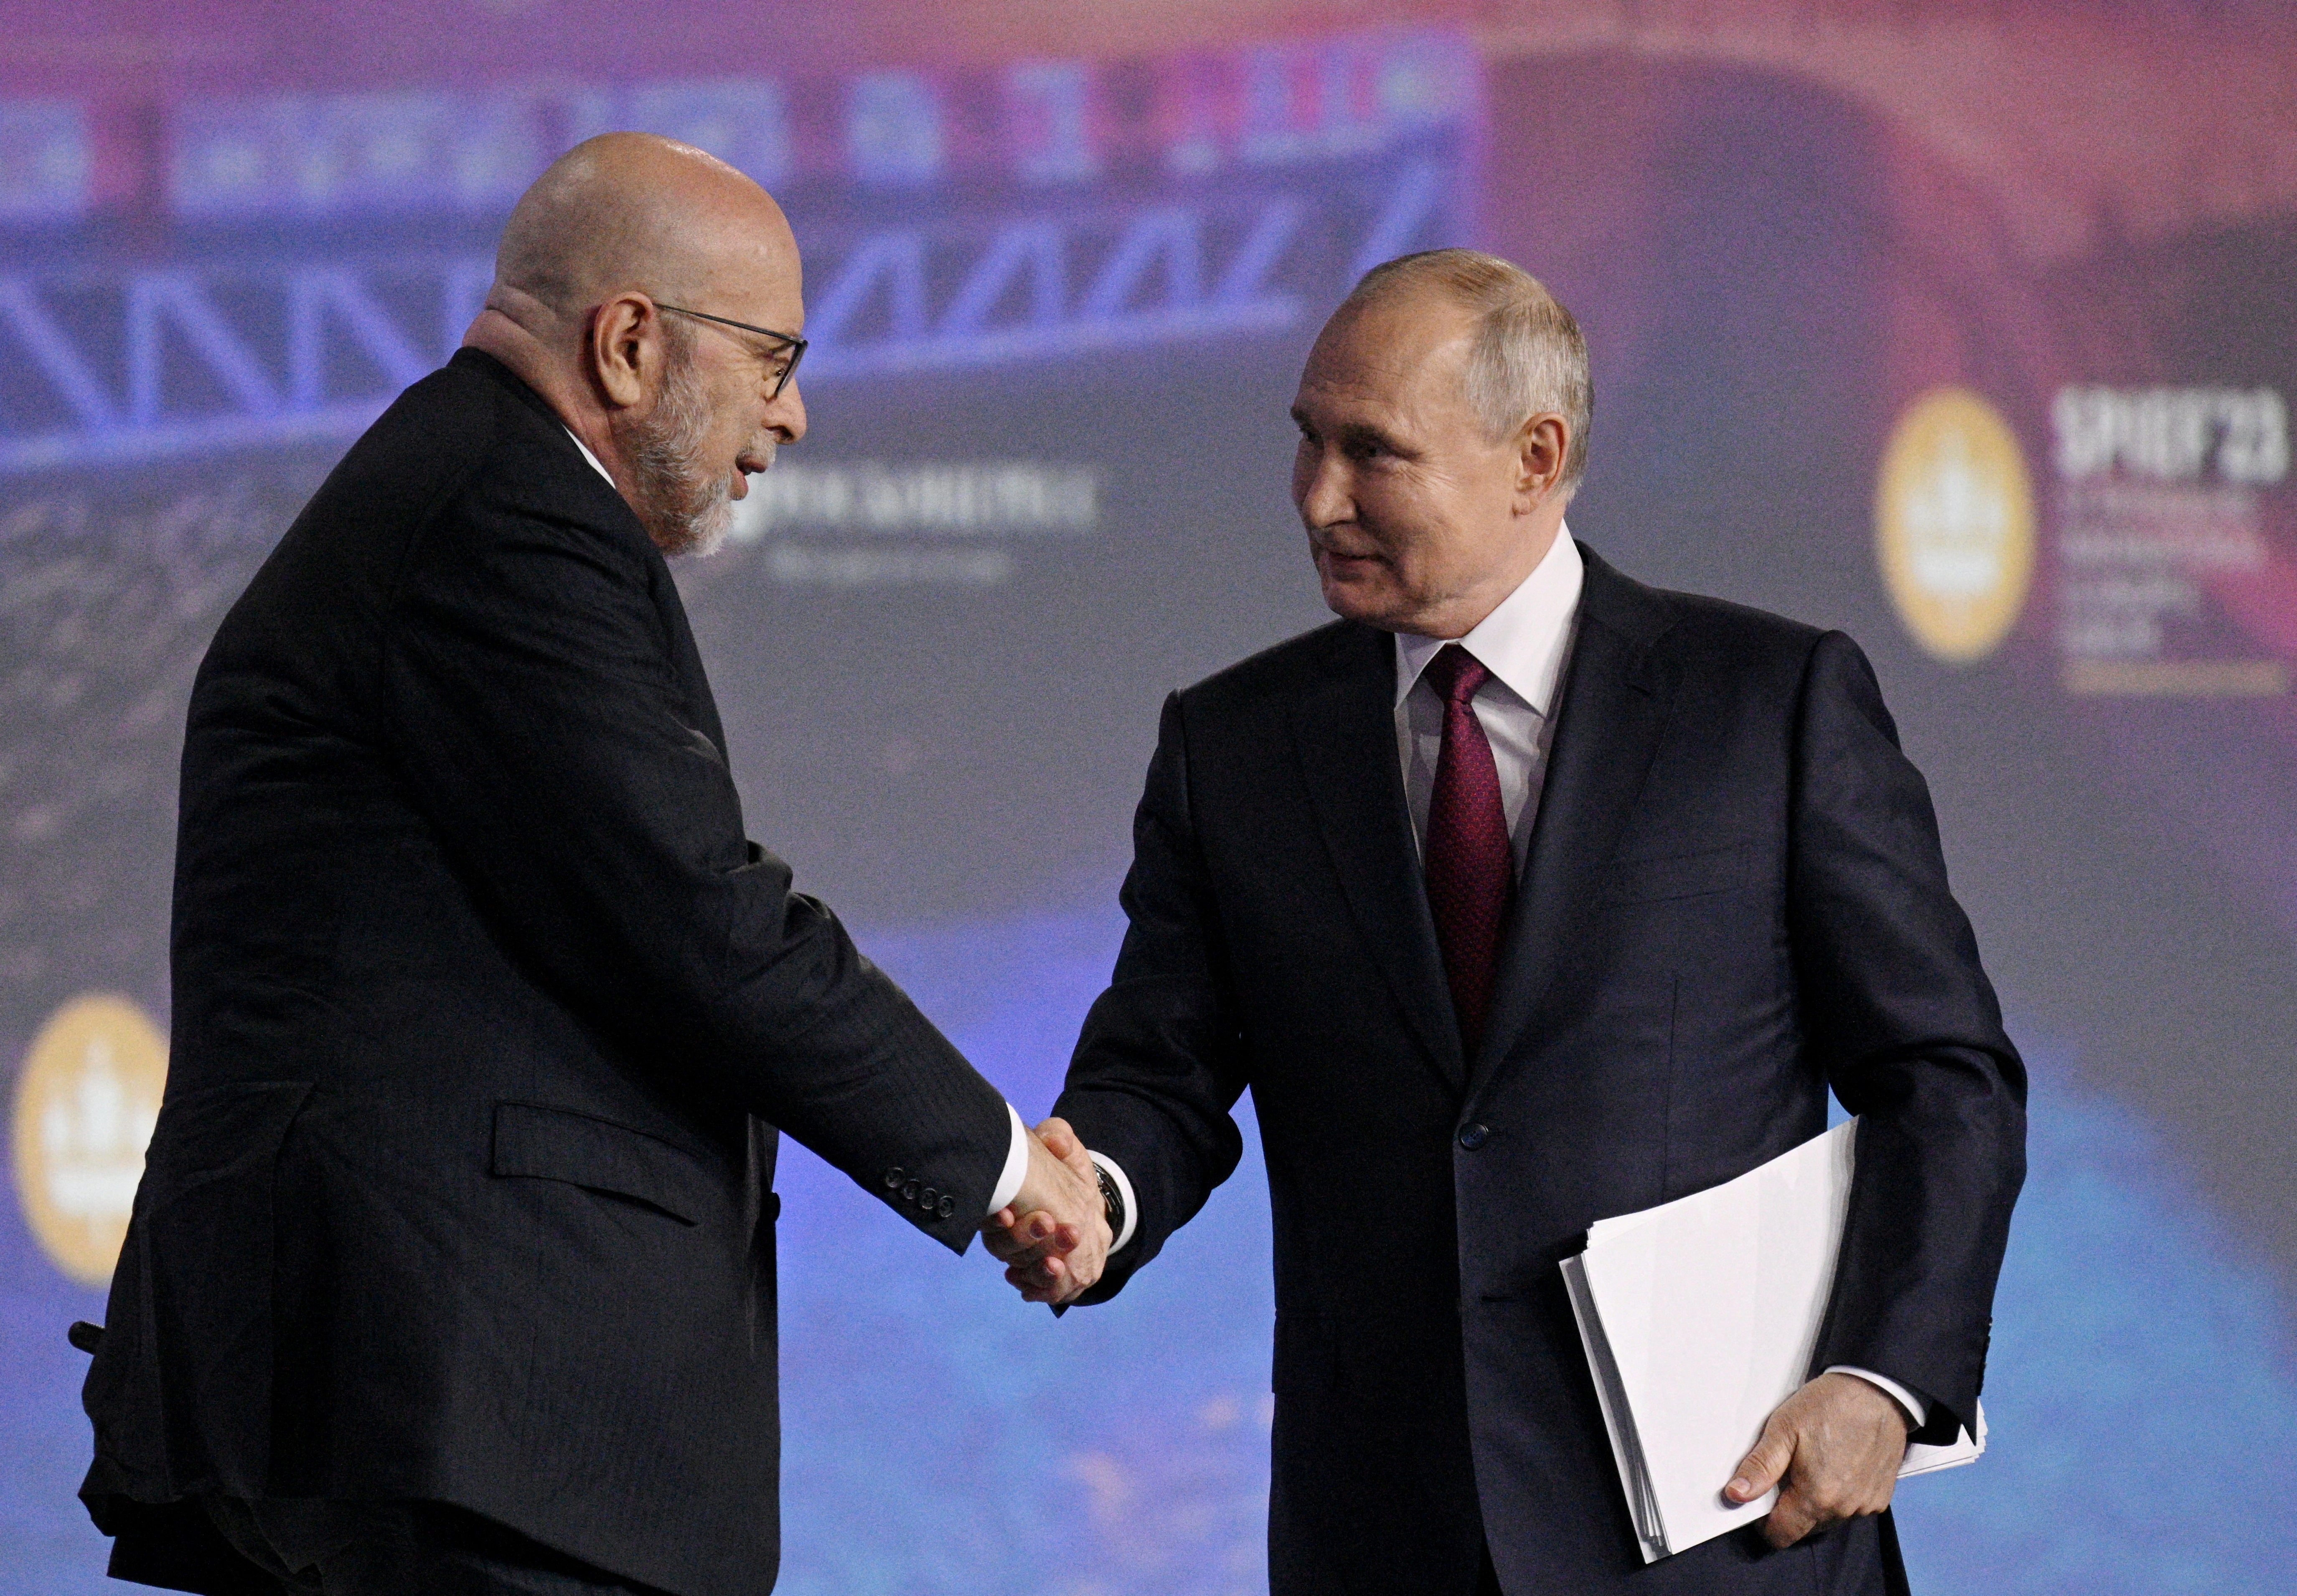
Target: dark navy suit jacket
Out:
[1734,901]
[485,1015]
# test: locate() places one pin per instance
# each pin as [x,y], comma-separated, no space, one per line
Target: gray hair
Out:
[1529,356]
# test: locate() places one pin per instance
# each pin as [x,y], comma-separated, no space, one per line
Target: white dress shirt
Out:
[1523,644]
[595,465]
[1016,1151]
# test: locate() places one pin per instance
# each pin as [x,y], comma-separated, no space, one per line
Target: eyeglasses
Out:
[789,340]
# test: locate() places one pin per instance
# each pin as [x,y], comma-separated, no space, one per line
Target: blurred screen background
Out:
[1962,324]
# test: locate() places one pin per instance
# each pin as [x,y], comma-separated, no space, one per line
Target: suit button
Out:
[895,1177]
[1471,1137]
[948,1206]
[909,1192]
[926,1198]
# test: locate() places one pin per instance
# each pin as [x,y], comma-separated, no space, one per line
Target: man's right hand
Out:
[1053,1237]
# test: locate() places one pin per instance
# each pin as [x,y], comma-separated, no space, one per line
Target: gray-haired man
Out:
[1523,895]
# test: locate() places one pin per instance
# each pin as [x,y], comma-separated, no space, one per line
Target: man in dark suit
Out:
[1522,896]
[452,1270]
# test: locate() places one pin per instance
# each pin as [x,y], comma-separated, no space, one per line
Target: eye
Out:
[1366,448]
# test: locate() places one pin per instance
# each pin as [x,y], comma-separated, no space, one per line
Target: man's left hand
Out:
[1833,1448]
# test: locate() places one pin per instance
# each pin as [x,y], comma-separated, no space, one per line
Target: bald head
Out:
[633,289]
[627,211]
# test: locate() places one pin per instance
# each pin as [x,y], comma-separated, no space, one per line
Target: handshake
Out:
[1053,1237]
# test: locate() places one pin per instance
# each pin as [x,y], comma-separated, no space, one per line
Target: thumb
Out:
[1060,1140]
[1764,1466]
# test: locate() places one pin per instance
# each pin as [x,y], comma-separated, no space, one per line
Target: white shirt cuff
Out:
[1916,1408]
[1124,1189]
[1017,1164]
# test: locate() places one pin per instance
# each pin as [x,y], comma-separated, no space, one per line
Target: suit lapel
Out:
[1344,734]
[1613,706]
[687,658]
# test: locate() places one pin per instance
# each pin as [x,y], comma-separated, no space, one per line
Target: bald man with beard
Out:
[452,1269]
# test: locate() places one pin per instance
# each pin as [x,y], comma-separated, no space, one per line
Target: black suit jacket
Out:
[484,1014]
[1734,899]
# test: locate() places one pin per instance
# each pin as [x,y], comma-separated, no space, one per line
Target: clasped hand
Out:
[1053,1238]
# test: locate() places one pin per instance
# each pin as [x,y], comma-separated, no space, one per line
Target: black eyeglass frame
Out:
[795,344]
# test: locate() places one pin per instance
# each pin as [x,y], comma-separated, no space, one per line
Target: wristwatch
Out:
[1112,1202]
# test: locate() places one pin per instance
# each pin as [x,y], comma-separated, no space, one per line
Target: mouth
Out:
[1342,562]
[758,458]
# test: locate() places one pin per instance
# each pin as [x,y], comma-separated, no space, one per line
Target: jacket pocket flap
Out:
[1682,875]
[558,1144]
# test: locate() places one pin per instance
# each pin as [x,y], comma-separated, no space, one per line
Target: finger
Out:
[1008,1248]
[1039,1235]
[1036,1286]
[1791,1519]
[1072,1287]
[1060,1140]
[1048,1236]
[1013,1247]
[1044,1276]
[1764,1466]
[1002,1232]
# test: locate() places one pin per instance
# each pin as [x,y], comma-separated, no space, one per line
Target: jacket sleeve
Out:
[538,721]
[1905,1024]
[1160,1063]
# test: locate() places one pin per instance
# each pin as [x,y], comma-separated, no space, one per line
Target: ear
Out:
[624,349]
[1543,449]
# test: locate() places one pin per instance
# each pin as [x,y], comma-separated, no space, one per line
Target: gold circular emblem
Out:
[85,1107]
[1954,524]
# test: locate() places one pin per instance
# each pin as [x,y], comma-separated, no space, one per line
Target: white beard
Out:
[685,511]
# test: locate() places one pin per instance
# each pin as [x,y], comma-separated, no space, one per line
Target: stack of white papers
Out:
[1700,1317]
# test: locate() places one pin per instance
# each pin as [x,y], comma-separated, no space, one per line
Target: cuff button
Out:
[909,1192]
[926,1198]
[948,1206]
[895,1177]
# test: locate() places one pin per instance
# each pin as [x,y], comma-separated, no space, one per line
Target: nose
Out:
[1319,487]
[786,414]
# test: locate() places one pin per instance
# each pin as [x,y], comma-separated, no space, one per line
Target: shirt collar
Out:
[1521,642]
[586,455]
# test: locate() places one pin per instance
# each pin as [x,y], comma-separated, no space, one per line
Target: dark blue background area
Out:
[2142,1398]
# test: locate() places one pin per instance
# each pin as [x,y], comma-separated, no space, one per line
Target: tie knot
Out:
[1455,674]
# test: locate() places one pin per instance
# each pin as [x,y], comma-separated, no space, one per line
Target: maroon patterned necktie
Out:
[1471,868]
